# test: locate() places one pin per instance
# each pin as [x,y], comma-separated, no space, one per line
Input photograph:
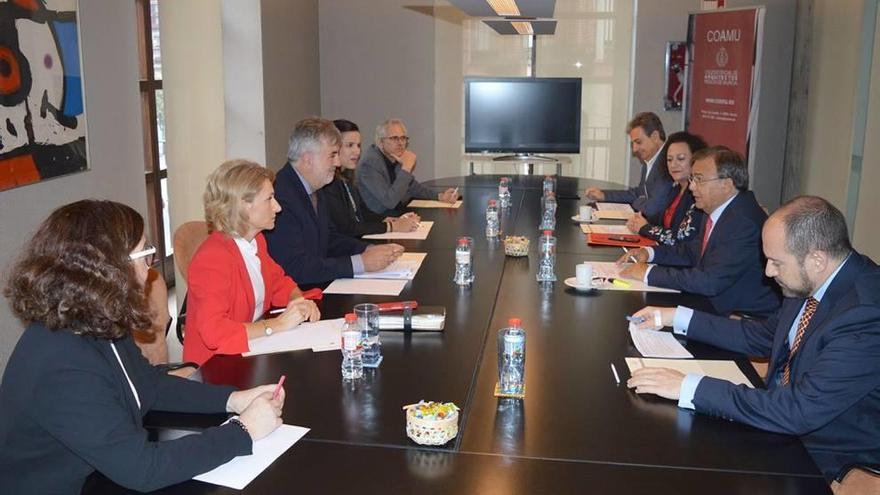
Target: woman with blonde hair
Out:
[232,280]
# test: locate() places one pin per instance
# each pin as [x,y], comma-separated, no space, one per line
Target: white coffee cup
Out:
[584,274]
[585,213]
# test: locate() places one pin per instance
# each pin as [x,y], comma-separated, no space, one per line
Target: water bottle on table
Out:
[547,261]
[368,324]
[464,269]
[512,359]
[504,192]
[548,216]
[549,185]
[493,224]
[352,363]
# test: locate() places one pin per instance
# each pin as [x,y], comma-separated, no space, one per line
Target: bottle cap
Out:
[351,318]
[548,232]
[462,242]
[514,322]
[492,202]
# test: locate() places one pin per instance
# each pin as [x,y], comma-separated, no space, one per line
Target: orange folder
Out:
[619,240]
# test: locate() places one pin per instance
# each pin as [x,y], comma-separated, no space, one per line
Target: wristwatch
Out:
[266,327]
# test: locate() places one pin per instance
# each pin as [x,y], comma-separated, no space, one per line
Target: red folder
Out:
[620,240]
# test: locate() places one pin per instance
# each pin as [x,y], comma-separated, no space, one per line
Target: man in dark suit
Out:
[725,263]
[823,383]
[646,136]
[304,241]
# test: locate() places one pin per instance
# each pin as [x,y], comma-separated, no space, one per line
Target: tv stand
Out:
[526,158]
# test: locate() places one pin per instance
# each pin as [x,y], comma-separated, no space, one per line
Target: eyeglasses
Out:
[148,253]
[700,180]
[398,139]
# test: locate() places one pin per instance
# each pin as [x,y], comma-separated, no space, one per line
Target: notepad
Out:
[319,336]
[723,370]
[657,344]
[366,286]
[609,270]
[605,229]
[404,268]
[241,470]
[614,211]
[430,203]
[420,234]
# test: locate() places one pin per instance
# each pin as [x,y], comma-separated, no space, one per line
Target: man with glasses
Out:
[725,262]
[385,174]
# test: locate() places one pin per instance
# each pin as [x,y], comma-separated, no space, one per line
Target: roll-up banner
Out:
[724,56]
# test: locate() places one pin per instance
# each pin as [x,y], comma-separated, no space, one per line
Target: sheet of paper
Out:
[241,470]
[605,229]
[420,234]
[366,286]
[609,269]
[658,344]
[404,268]
[318,335]
[613,215]
[621,207]
[430,203]
[723,370]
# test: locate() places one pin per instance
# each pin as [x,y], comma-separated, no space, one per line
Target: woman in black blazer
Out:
[681,220]
[76,387]
[348,212]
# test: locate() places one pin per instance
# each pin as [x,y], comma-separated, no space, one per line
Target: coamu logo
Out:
[721,57]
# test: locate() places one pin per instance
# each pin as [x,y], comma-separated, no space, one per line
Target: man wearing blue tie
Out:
[823,383]
[650,196]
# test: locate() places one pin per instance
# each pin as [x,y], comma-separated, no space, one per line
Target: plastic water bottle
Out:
[464,270]
[549,185]
[547,262]
[504,192]
[493,225]
[548,216]
[352,363]
[512,358]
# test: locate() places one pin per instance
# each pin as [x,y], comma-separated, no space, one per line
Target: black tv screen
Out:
[522,115]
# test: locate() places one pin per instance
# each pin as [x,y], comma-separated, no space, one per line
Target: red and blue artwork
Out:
[42,119]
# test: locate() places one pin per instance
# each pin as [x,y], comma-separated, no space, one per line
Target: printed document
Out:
[366,286]
[318,336]
[657,344]
[431,203]
[420,234]
[723,370]
[404,268]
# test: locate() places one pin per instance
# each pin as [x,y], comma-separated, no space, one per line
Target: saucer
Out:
[572,282]
[577,218]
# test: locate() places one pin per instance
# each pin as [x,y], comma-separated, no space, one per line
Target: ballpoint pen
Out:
[278,387]
[616,376]
[636,319]
[626,251]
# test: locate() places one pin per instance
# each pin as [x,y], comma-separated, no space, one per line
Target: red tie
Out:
[706,230]
[802,325]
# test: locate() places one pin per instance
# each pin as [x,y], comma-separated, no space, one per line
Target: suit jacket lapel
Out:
[104,348]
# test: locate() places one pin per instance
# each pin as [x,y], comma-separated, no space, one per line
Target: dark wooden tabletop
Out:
[576,431]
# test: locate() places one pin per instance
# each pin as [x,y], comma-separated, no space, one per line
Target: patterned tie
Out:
[706,230]
[812,304]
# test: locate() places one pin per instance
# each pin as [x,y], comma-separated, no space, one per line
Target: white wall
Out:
[114,136]
[377,61]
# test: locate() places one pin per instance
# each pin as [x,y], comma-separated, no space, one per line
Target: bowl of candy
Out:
[515,245]
[431,423]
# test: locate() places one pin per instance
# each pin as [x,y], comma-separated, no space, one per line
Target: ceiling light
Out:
[523,27]
[504,8]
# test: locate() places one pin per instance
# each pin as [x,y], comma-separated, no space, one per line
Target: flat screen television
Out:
[522,115]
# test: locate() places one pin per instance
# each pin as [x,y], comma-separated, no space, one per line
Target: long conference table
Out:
[576,431]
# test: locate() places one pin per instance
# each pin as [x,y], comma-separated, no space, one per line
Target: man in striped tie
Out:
[823,383]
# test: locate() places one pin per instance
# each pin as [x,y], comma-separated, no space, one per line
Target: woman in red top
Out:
[681,220]
[232,281]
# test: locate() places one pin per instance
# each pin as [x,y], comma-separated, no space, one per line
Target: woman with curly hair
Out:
[76,387]
[232,281]
[681,220]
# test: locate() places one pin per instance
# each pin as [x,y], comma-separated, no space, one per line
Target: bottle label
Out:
[350,340]
[492,216]
[463,257]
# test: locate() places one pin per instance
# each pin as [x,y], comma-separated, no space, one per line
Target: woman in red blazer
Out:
[232,280]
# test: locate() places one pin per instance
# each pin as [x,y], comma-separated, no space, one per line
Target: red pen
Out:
[278,387]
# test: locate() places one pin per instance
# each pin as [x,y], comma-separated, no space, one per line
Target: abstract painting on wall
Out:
[42,120]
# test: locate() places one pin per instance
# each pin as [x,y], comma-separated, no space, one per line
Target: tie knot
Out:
[812,303]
